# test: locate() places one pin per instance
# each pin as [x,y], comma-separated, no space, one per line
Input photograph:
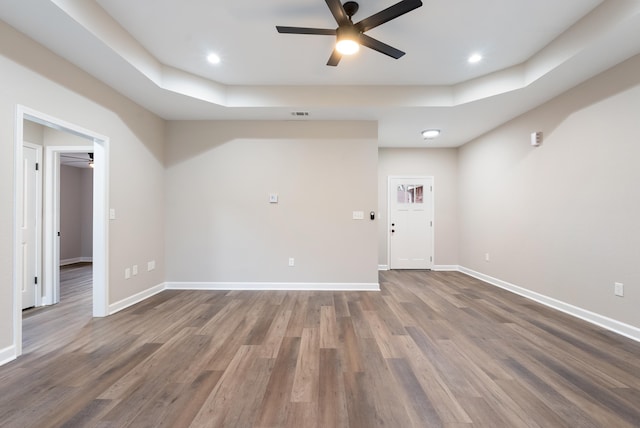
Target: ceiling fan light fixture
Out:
[347,47]
[348,41]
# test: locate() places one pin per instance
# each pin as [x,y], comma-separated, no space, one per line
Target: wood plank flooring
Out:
[432,349]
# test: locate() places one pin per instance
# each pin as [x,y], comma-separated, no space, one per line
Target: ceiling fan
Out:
[77,159]
[350,36]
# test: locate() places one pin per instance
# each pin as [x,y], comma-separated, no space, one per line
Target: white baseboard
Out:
[75,260]
[7,354]
[610,324]
[446,268]
[289,286]
[442,268]
[136,298]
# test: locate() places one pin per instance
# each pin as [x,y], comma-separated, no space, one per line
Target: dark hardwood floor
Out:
[432,349]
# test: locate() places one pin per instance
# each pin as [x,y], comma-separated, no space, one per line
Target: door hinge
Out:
[431,258]
[431,188]
[37,166]
[36,280]
[431,223]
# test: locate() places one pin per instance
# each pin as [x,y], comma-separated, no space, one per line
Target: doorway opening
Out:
[48,289]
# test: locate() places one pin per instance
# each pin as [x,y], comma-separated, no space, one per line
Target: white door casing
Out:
[100,146]
[51,292]
[30,225]
[410,228]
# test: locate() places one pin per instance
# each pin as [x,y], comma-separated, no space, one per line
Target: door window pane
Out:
[410,194]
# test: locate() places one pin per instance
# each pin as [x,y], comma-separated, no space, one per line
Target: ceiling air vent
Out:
[300,113]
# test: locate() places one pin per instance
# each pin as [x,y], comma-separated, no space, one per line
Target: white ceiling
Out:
[154,52]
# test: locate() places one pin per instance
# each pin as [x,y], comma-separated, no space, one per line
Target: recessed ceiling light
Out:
[429,134]
[213,58]
[475,58]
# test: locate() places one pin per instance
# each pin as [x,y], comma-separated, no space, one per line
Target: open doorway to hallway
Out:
[56,138]
[69,189]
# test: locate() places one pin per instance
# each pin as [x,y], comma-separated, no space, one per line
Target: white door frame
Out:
[52,219]
[433,210]
[38,215]
[100,224]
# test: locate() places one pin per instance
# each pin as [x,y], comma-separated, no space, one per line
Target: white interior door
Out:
[31,191]
[410,222]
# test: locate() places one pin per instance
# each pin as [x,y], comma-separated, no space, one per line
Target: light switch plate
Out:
[358,215]
[273,198]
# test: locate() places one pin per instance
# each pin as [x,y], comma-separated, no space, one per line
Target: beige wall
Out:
[221,226]
[33,132]
[34,77]
[561,219]
[442,165]
[76,216]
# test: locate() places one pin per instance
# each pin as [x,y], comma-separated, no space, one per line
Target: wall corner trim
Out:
[136,298]
[8,354]
[288,286]
[615,326]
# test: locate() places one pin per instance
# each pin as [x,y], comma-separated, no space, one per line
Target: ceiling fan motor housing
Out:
[349,32]
[350,8]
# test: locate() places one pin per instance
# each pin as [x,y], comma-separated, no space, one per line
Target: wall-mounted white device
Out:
[536,138]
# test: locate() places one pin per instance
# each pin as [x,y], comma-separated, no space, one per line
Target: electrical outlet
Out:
[486,257]
[292,261]
[618,289]
[151,265]
[127,273]
[134,270]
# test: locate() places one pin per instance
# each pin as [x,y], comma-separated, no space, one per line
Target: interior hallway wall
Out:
[76,214]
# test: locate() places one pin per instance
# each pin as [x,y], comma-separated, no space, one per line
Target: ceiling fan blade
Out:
[388,14]
[337,10]
[80,158]
[377,45]
[335,58]
[304,30]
